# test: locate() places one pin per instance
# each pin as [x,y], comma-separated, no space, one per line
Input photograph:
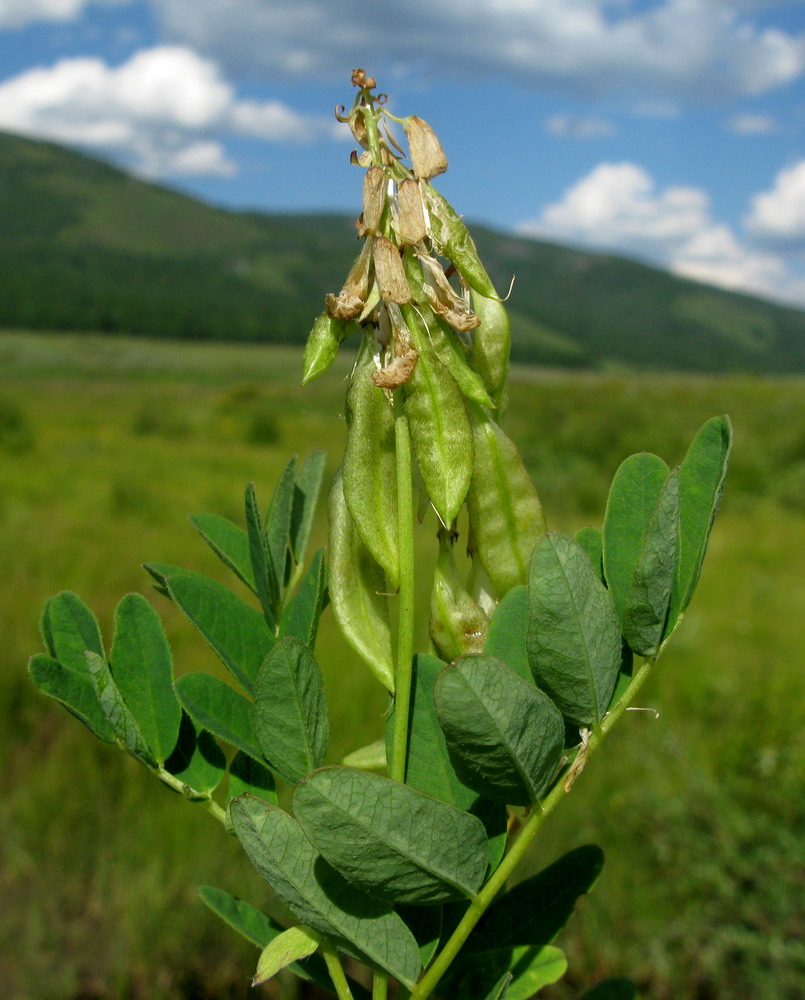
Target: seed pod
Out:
[374,199]
[322,345]
[370,472]
[351,299]
[390,271]
[457,625]
[440,428]
[427,156]
[357,587]
[452,354]
[492,344]
[455,242]
[505,513]
[411,216]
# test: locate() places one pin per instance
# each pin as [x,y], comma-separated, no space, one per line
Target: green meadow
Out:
[106,444]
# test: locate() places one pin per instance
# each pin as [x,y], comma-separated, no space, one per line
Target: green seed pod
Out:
[370,471]
[457,624]
[456,243]
[357,590]
[452,354]
[492,344]
[505,513]
[322,345]
[440,428]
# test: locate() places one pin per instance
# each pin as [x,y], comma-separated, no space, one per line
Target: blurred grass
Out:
[107,444]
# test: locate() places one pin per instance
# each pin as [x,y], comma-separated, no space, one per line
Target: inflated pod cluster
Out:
[434,330]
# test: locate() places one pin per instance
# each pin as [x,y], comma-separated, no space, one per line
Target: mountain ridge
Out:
[86,246]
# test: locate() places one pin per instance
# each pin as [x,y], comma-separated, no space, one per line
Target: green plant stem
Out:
[530,829]
[380,986]
[209,804]
[336,971]
[405,632]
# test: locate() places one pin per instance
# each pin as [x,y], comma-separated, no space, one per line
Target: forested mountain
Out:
[85,246]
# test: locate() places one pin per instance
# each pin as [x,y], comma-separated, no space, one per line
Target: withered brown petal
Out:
[427,156]
[390,271]
[410,212]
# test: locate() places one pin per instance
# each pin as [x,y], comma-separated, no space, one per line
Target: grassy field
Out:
[107,444]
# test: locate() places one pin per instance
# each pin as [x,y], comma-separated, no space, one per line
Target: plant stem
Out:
[336,971]
[405,632]
[380,986]
[209,804]
[530,829]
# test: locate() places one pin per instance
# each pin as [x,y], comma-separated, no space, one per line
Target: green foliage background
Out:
[106,444]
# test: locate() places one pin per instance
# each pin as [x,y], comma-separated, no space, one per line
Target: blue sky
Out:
[668,130]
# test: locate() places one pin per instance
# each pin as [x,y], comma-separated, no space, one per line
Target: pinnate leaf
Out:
[504,736]
[389,839]
[197,760]
[290,710]
[305,498]
[574,635]
[508,630]
[318,895]
[114,708]
[71,629]
[301,615]
[249,777]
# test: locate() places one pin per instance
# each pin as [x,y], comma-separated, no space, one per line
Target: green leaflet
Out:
[235,630]
[305,499]
[389,839]
[75,690]
[440,430]
[428,765]
[197,760]
[701,481]
[530,969]
[216,706]
[249,777]
[536,909]
[290,946]
[592,541]
[492,344]
[508,629]
[504,736]
[632,500]
[425,923]
[318,895]
[70,629]
[229,542]
[142,668]
[615,988]
[357,591]
[114,708]
[505,513]
[574,636]
[371,757]
[278,533]
[501,988]
[290,710]
[261,929]
[370,471]
[266,582]
[301,615]
[646,609]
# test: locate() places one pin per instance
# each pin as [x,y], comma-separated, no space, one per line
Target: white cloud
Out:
[778,216]
[700,49]
[164,106]
[579,126]
[749,124]
[617,206]
[20,13]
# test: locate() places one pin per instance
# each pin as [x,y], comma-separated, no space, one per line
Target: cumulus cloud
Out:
[20,13]
[618,206]
[163,107]
[778,216]
[666,48]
